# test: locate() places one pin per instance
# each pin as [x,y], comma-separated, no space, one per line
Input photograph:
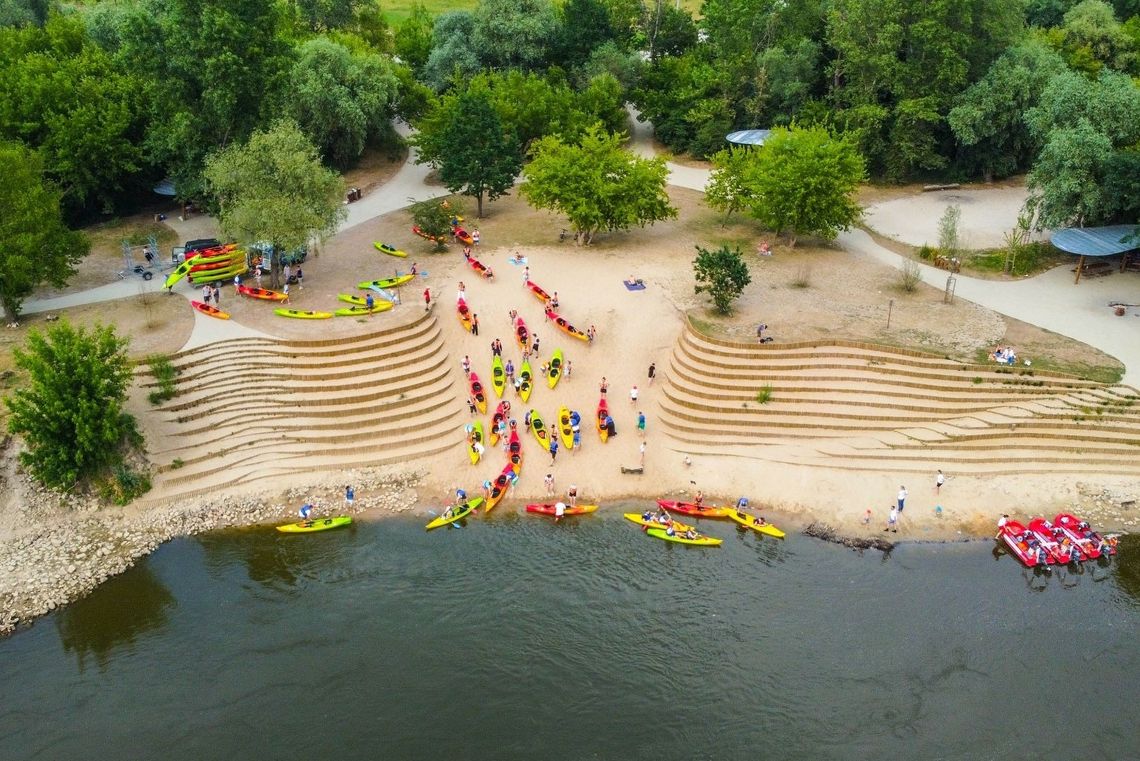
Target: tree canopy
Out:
[273,188]
[722,274]
[70,411]
[37,247]
[596,183]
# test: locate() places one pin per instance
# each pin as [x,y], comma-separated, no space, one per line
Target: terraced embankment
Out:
[862,407]
[255,408]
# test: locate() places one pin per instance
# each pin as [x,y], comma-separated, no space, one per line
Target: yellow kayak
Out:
[554,371]
[751,521]
[636,518]
[456,513]
[391,282]
[318,524]
[360,301]
[300,315]
[353,311]
[700,541]
[565,428]
[390,250]
[179,271]
[476,437]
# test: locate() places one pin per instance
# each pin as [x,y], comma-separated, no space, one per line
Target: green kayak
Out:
[317,524]
[453,514]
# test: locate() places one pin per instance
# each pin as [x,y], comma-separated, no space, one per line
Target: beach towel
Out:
[521,260]
[634,285]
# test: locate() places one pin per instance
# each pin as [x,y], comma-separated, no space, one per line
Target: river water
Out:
[518,638]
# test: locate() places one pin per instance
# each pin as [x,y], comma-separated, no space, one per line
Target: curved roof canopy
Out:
[749,136]
[1097,241]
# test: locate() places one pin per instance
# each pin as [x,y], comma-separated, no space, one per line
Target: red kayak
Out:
[1022,544]
[603,413]
[1091,543]
[566,327]
[537,290]
[261,293]
[419,231]
[499,416]
[1060,549]
[225,264]
[477,265]
[210,310]
[692,508]
[463,236]
[548,508]
[464,314]
[522,334]
[477,391]
[514,447]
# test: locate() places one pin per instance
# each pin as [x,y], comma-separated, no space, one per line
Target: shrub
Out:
[165,374]
[910,275]
[803,277]
[764,395]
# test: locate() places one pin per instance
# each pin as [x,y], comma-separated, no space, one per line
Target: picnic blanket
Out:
[520,260]
[634,285]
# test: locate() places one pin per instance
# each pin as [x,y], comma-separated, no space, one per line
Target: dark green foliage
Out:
[433,218]
[469,146]
[584,26]
[452,54]
[413,38]
[514,33]
[722,274]
[70,413]
[165,376]
[35,245]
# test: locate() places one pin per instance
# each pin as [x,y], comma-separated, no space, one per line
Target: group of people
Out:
[1004,355]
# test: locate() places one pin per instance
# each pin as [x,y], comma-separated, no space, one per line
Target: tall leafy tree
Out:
[412,39]
[475,156]
[36,247]
[722,274]
[989,122]
[63,95]
[452,54]
[1091,38]
[803,182]
[729,189]
[341,100]
[1066,182]
[70,412]
[515,33]
[584,25]
[596,183]
[274,188]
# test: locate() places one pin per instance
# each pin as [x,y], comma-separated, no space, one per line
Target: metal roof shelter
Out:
[749,136]
[1096,242]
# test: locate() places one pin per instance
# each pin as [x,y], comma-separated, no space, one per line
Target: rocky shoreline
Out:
[78,546]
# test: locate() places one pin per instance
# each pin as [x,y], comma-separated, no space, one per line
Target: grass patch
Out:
[165,374]
[123,485]
[176,463]
[1031,259]
[764,395]
[802,278]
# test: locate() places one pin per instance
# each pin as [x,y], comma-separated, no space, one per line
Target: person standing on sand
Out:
[466,365]
[633,395]
[461,294]
[652,372]
[643,454]
[526,274]
[217,295]
[349,495]
[641,424]
[901,497]
[553,450]
[300,279]
[475,236]
[893,519]
[369,302]
[474,324]
[572,495]
[566,369]
[427,299]
[867,517]
[548,482]
[534,349]
[206,293]
[514,317]
[938,481]
[603,387]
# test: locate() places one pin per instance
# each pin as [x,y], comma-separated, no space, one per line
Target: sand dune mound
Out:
[864,407]
[255,408]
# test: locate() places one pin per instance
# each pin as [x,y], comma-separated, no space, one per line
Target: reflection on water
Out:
[518,639]
[92,627]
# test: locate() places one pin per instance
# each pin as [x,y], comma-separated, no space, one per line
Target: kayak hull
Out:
[356,311]
[526,376]
[261,293]
[391,282]
[476,438]
[600,420]
[561,323]
[478,393]
[640,521]
[320,524]
[554,372]
[749,521]
[538,428]
[498,376]
[384,248]
[565,429]
[700,541]
[1012,535]
[209,310]
[691,508]
[548,508]
[301,315]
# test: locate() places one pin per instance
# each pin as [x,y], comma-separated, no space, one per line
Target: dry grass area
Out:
[376,166]
[105,261]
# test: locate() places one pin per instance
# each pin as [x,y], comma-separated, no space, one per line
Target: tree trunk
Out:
[479,204]
[11,308]
[275,267]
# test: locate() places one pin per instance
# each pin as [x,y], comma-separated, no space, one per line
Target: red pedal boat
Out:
[477,392]
[1060,549]
[537,290]
[692,508]
[1082,534]
[1022,544]
[566,327]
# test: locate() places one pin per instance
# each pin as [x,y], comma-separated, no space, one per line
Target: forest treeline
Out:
[111,97]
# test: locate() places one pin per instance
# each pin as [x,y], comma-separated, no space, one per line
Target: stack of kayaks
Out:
[455,513]
[212,265]
[1067,539]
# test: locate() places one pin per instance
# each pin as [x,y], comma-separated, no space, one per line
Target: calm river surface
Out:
[516,638]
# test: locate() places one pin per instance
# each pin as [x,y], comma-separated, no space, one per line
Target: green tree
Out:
[70,413]
[1092,37]
[474,155]
[722,274]
[514,33]
[804,182]
[433,218]
[596,183]
[584,25]
[35,245]
[452,54]
[63,95]
[412,39]
[341,100]
[989,120]
[274,188]
[1066,184]
[728,189]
